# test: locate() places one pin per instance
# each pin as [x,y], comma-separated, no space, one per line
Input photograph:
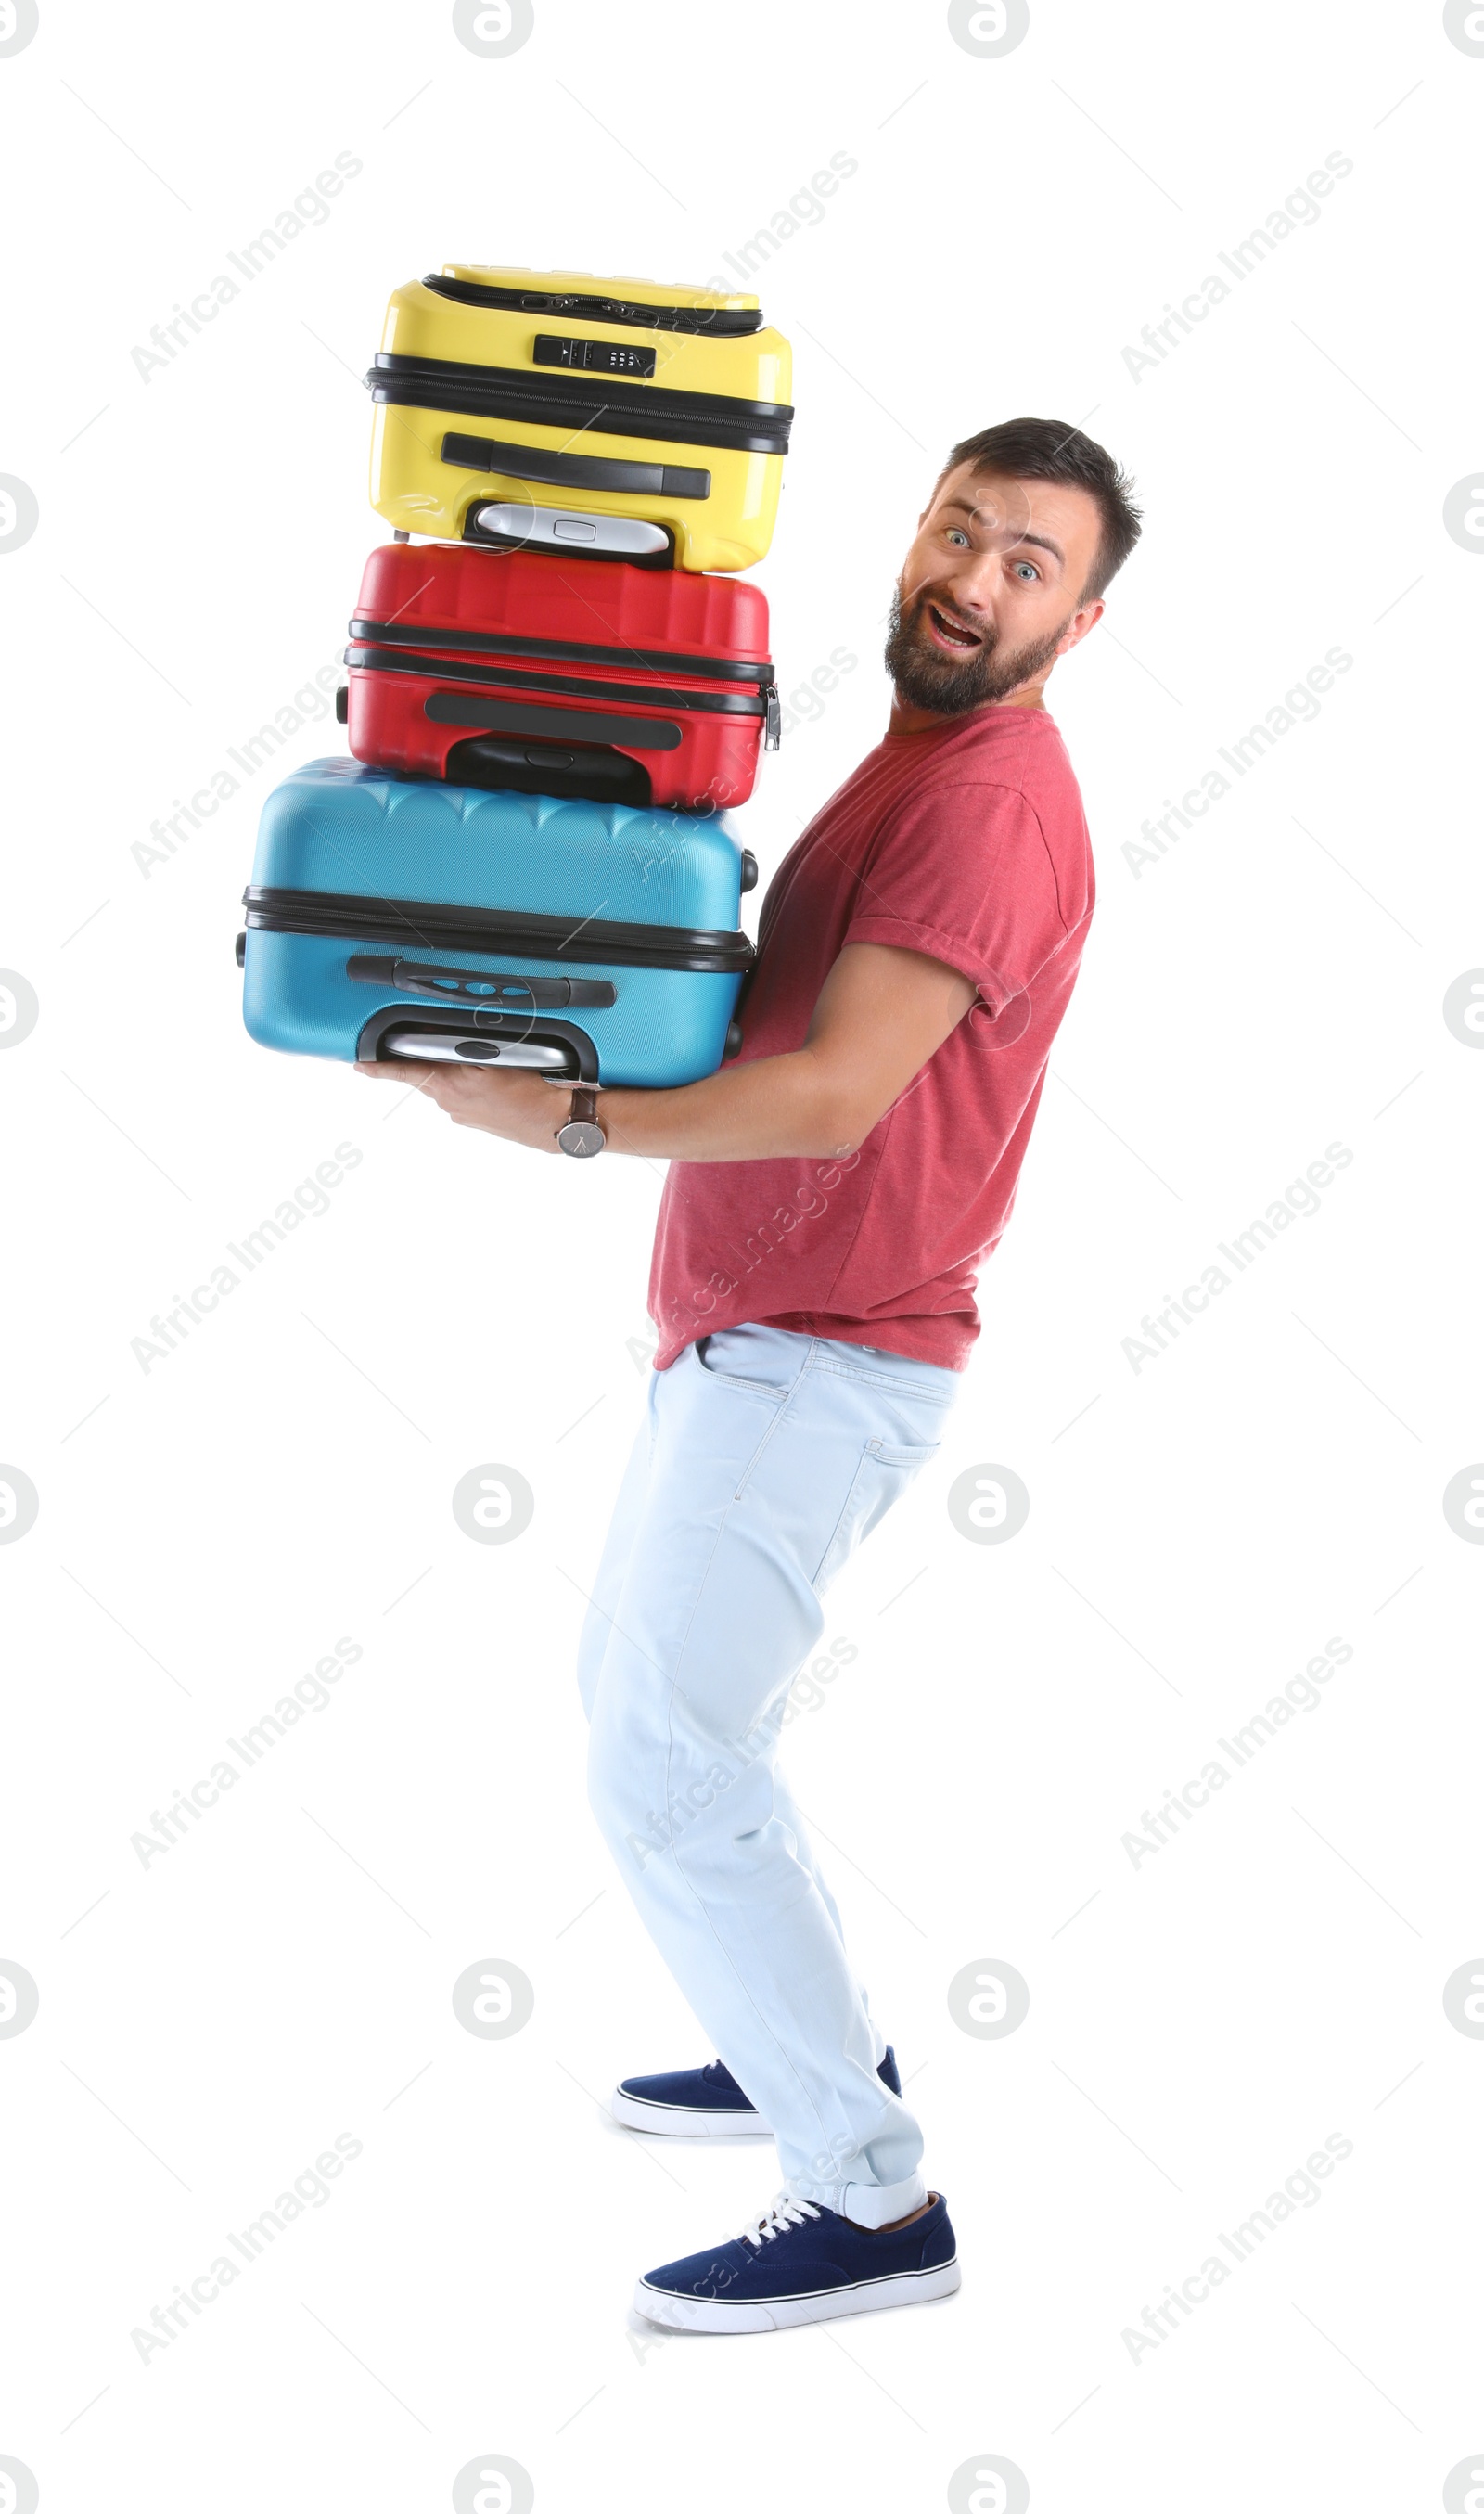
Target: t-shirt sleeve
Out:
[963,872]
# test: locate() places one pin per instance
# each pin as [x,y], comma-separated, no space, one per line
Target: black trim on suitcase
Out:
[484,641]
[479,986]
[441,925]
[573,470]
[382,1026]
[723,419]
[713,322]
[580,724]
[430,668]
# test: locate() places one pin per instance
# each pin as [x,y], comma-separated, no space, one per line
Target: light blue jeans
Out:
[763,1460]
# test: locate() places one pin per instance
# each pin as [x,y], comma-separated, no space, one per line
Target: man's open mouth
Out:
[949,635]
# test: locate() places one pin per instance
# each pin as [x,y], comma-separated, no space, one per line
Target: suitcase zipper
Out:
[439,925]
[656,411]
[712,322]
[716,667]
[371,659]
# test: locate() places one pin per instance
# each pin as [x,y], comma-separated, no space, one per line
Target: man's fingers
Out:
[470,1095]
[436,1082]
[456,1089]
[398,1070]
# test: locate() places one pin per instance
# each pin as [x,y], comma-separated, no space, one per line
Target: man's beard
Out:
[925,677]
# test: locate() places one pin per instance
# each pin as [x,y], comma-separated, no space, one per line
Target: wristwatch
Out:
[581,1136]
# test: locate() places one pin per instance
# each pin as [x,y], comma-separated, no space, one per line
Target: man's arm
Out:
[882,1012]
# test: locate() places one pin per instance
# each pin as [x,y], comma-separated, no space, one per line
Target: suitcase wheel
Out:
[734,1040]
[748,866]
[241,949]
[342,703]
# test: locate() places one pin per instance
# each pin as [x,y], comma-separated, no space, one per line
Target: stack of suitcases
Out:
[551,697]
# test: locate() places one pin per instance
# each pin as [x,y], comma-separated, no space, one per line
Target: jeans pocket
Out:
[725,1342]
[881,1478]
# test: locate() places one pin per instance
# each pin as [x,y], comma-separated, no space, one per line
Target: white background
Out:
[1198,1528]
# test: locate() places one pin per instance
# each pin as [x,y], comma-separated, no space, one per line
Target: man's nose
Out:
[973,579]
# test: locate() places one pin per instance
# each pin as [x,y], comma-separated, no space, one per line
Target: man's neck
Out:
[905,718]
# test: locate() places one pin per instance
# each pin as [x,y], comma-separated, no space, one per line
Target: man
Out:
[834,1191]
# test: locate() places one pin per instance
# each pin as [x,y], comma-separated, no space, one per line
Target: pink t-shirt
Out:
[968,842]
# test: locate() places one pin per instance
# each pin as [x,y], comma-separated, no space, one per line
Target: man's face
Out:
[991,589]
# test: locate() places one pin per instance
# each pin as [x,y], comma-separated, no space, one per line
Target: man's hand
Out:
[882,1012]
[518,1104]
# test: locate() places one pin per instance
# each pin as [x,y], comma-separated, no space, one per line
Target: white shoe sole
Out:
[676,2120]
[780,2313]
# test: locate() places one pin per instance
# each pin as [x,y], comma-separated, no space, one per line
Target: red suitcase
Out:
[589,677]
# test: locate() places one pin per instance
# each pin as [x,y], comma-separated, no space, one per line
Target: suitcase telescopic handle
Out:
[495,990]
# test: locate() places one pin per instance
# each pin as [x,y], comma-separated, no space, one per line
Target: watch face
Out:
[580,1139]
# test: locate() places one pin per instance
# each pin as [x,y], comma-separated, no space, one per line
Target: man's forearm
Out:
[882,1013]
[775,1108]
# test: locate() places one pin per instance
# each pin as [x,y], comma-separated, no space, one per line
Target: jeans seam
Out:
[850,1496]
[883,1379]
[674,1847]
[783,1399]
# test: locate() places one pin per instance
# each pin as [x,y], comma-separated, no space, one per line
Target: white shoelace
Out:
[786,2211]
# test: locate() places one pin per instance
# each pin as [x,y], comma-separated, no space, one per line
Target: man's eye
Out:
[1026,570]
[959,539]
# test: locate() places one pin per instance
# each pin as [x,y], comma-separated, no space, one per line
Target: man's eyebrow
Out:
[1035,541]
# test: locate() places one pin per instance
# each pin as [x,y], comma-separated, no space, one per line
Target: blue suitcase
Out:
[389,917]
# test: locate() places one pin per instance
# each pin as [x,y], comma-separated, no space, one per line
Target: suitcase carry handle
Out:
[576,470]
[529,527]
[480,986]
[721,322]
[560,726]
[513,1031]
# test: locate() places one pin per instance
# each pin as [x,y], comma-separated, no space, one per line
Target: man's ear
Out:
[1083,619]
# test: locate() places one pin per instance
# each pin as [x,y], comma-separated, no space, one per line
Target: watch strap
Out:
[581,1136]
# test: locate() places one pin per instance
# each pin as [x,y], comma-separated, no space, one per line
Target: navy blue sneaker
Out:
[801,2262]
[704,2103]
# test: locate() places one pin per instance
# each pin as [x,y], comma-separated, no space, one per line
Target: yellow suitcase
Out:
[548,409]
